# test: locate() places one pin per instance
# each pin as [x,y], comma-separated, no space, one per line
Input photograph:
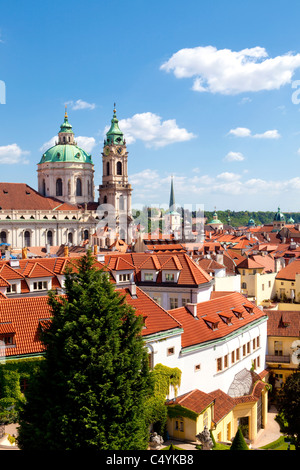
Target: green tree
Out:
[239,442]
[288,406]
[92,385]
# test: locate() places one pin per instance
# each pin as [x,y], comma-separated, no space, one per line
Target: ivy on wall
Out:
[163,378]
[12,373]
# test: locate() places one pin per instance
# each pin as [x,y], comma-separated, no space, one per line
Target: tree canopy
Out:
[93,383]
[288,406]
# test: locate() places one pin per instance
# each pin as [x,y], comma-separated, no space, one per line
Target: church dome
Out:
[66,153]
[66,149]
[279,217]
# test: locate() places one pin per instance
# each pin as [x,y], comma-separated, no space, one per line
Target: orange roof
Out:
[289,272]
[197,331]
[20,196]
[283,323]
[195,400]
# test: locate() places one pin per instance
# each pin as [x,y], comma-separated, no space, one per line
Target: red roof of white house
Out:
[211,321]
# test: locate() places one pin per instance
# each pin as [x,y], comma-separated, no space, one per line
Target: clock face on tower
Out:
[119,150]
[106,150]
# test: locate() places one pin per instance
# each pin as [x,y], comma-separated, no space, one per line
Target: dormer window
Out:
[249,308]
[238,312]
[170,277]
[8,339]
[148,276]
[211,323]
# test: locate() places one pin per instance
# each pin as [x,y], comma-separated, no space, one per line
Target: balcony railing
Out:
[279,359]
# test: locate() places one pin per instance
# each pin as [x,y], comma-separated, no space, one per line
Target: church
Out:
[64,209]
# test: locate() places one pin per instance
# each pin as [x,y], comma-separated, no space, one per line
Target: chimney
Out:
[192,308]
[132,289]
[66,251]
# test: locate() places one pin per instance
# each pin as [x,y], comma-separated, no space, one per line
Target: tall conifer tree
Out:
[93,383]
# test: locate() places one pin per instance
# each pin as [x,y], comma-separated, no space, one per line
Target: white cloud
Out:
[234,157]
[12,154]
[150,128]
[231,72]
[240,132]
[80,104]
[86,143]
[227,176]
[245,132]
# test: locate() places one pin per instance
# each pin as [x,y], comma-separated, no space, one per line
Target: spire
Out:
[172,196]
[114,135]
[66,126]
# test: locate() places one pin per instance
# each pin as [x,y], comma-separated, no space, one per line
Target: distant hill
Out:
[241,218]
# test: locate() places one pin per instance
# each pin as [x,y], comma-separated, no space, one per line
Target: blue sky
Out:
[204,92]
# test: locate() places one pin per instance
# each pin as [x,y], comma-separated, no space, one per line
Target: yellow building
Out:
[287,284]
[219,412]
[283,344]
[257,278]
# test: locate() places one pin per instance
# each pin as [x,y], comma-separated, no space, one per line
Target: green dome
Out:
[66,153]
[291,220]
[114,134]
[279,217]
[251,223]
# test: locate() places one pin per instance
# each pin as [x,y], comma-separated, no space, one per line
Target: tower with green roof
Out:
[278,221]
[65,170]
[115,190]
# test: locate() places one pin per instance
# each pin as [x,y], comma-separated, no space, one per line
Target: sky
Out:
[206,91]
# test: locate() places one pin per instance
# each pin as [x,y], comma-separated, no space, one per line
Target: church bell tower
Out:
[115,191]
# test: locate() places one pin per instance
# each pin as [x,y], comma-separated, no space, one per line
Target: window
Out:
[27,238]
[244,350]
[226,361]
[170,351]
[248,347]
[40,285]
[78,187]
[232,357]
[119,168]
[124,277]
[70,237]
[197,367]
[11,289]
[121,203]
[244,285]
[173,302]
[148,277]
[257,341]
[278,348]
[184,301]
[50,237]
[8,339]
[170,277]
[219,364]
[254,344]
[237,354]
[107,169]
[59,187]
[3,237]
[179,425]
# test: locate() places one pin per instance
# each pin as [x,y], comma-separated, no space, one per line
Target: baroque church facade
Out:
[64,210]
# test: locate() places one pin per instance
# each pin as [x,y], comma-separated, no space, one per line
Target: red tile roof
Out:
[197,331]
[289,272]
[195,400]
[20,196]
[283,323]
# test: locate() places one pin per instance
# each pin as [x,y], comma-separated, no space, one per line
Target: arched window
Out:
[27,238]
[86,235]
[88,188]
[78,187]
[69,188]
[119,168]
[70,237]
[107,168]
[50,237]
[3,237]
[59,187]
[105,200]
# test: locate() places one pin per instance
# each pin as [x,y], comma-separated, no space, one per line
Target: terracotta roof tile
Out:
[196,330]
[283,323]
[195,400]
